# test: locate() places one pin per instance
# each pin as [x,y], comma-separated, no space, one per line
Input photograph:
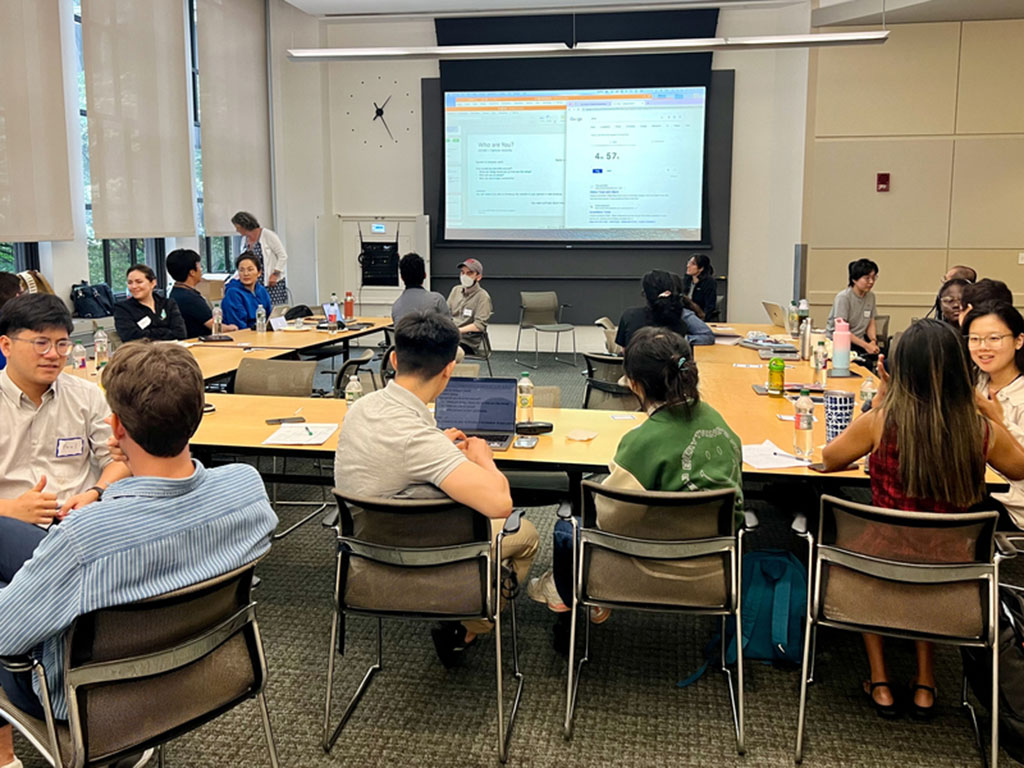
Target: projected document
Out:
[616,165]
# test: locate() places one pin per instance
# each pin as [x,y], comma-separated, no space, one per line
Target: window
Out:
[16,257]
[7,260]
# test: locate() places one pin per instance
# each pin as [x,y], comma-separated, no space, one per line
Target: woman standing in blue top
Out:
[243,296]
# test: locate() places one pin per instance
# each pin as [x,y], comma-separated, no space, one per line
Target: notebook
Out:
[484,408]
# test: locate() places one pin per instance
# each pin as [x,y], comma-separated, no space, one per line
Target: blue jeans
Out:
[18,541]
[561,560]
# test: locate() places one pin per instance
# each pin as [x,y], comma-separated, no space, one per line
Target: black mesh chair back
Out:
[918,575]
[602,390]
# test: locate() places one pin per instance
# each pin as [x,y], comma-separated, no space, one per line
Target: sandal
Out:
[919,712]
[888,711]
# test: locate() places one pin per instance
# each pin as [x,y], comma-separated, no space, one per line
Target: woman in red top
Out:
[927,423]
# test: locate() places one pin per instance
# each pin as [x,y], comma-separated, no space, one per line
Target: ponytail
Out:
[661,362]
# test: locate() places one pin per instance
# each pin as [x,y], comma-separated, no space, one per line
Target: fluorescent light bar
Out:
[609,48]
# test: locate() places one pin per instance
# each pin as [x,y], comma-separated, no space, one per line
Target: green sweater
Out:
[669,452]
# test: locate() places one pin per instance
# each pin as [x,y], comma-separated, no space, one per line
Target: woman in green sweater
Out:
[683,445]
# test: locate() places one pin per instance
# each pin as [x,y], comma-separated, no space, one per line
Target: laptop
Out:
[484,408]
[775,313]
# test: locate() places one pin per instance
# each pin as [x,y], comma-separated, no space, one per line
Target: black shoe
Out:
[888,711]
[919,712]
[450,643]
[561,632]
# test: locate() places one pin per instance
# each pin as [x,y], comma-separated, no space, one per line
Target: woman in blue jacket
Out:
[243,296]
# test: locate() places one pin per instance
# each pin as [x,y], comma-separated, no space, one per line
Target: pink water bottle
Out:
[841,348]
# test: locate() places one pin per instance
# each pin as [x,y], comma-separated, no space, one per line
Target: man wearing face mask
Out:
[471,306]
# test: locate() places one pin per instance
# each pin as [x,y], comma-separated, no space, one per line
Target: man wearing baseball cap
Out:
[471,306]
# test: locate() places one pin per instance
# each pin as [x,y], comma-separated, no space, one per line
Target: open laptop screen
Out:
[477,405]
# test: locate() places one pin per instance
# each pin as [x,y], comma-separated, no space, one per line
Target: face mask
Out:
[467,281]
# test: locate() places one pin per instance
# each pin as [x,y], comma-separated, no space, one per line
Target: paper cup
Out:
[839,407]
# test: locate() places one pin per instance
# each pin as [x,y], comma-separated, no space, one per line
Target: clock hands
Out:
[379,113]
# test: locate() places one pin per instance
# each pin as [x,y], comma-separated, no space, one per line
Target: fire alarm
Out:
[882,182]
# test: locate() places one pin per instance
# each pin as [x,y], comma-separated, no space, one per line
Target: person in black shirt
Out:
[145,314]
[665,308]
[699,285]
[183,266]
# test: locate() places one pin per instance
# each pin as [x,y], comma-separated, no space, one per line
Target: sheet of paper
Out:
[747,365]
[764,456]
[623,417]
[728,341]
[301,434]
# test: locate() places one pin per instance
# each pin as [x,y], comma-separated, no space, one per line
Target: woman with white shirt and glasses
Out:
[995,340]
[268,248]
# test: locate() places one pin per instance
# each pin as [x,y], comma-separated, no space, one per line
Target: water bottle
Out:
[101,348]
[79,355]
[353,390]
[525,391]
[841,348]
[793,320]
[820,363]
[805,339]
[776,377]
[332,314]
[868,389]
[261,319]
[218,319]
[803,309]
[803,425]
[350,306]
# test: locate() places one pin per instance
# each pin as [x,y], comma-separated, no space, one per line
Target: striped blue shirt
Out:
[149,535]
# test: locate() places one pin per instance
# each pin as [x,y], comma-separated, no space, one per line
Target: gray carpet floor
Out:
[630,711]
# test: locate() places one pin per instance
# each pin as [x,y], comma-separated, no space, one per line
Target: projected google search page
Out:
[619,164]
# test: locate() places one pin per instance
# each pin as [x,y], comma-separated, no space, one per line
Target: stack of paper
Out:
[768,455]
[301,434]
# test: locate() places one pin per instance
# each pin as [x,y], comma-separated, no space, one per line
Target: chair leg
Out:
[324,504]
[160,756]
[505,731]
[994,711]
[265,713]
[965,703]
[558,336]
[798,754]
[329,741]
[536,349]
[519,334]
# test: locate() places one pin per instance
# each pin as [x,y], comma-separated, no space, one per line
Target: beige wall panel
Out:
[996,264]
[907,281]
[988,194]
[847,212]
[991,98]
[905,86]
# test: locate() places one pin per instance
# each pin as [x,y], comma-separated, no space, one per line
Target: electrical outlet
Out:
[1020,258]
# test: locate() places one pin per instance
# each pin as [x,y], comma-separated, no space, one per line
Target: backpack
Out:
[92,300]
[774,610]
[977,667]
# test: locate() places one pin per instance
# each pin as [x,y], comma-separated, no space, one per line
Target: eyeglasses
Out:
[992,341]
[949,301]
[43,345]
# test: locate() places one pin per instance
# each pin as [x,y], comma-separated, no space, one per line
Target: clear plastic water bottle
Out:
[820,364]
[353,390]
[261,319]
[332,314]
[101,348]
[803,425]
[868,390]
[793,320]
[79,355]
[805,339]
[218,319]
[525,391]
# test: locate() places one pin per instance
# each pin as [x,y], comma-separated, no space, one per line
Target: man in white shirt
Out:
[54,456]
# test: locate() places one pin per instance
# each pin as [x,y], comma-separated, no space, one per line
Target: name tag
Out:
[70,446]
[467,312]
[144,322]
[867,313]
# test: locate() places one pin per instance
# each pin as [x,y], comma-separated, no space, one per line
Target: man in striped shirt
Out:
[170,525]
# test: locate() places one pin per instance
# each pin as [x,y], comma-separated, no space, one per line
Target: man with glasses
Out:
[54,455]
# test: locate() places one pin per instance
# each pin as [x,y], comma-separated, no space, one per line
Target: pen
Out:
[297,411]
[309,431]
[790,456]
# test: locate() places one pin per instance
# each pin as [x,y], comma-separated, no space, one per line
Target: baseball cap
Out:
[473,265]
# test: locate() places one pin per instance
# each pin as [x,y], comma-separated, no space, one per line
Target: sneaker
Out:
[542,589]
[15,764]
[135,761]
[450,643]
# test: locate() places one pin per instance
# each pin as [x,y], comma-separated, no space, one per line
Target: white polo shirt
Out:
[65,438]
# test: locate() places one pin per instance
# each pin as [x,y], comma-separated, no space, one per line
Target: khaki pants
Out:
[519,549]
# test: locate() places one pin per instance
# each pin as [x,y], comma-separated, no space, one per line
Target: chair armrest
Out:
[1004,546]
[513,522]
[750,521]
[15,664]
[330,519]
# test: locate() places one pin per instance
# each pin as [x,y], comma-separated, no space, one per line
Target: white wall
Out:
[769,122]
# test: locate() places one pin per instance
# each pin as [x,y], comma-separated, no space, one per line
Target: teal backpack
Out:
[774,609]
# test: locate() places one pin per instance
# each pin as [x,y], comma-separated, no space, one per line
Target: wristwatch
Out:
[99,491]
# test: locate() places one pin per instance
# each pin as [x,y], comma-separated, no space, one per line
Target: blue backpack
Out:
[774,609]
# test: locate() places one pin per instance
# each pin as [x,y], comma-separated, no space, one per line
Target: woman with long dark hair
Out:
[699,285]
[928,444]
[949,301]
[664,309]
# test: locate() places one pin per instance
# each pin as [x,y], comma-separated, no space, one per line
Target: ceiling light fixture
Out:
[609,48]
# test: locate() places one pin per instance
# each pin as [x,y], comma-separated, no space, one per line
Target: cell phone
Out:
[215,337]
[287,420]
[209,408]
[525,441]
